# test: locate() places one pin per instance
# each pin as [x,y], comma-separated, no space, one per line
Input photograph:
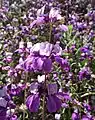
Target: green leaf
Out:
[93,65]
[87,94]
[70,27]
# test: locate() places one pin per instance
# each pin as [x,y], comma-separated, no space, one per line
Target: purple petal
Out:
[64,96]
[29,101]
[40,20]
[2,113]
[63,63]
[46,48]
[58,102]
[37,63]
[53,103]
[33,102]
[65,105]
[75,116]
[34,87]
[47,65]
[52,88]
[58,60]
[63,27]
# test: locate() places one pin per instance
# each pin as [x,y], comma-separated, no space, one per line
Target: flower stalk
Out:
[25,95]
[43,112]
[50,33]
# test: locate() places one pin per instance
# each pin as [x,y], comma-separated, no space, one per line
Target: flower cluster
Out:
[47,60]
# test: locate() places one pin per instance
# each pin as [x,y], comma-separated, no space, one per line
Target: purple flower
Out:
[84,73]
[2,113]
[79,25]
[86,53]
[54,14]
[38,21]
[87,106]
[12,72]
[14,89]
[64,96]
[38,64]
[63,63]
[34,87]
[75,116]
[3,91]
[53,98]
[3,102]
[10,115]
[87,117]
[33,102]
[52,88]
[65,105]
[73,48]
[84,49]
[57,50]
[63,27]
[47,65]
[46,49]
[43,48]
[53,103]
[91,34]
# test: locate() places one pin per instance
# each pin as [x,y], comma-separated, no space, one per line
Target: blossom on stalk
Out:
[40,57]
[53,97]
[54,14]
[15,89]
[63,63]
[84,73]
[86,53]
[33,102]
[63,28]
[75,115]
[42,18]
[38,21]
[5,103]
[87,107]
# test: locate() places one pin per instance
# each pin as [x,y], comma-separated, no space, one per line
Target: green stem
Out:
[50,33]
[87,94]
[43,115]
[43,112]
[25,95]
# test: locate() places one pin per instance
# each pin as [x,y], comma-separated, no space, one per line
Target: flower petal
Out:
[35,103]
[53,103]
[47,65]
